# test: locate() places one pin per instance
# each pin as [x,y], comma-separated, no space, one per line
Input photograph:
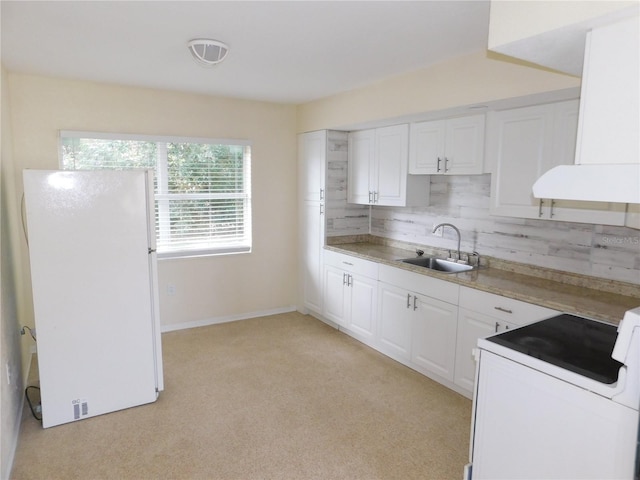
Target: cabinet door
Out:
[526,142]
[433,335]
[565,133]
[312,235]
[472,326]
[336,301]
[426,147]
[394,322]
[391,165]
[363,308]
[464,153]
[311,165]
[311,170]
[520,142]
[360,169]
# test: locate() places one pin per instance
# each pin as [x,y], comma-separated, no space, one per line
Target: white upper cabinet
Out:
[523,143]
[390,179]
[360,172]
[601,40]
[518,143]
[449,147]
[378,169]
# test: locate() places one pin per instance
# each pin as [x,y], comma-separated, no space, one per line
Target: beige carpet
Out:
[279,397]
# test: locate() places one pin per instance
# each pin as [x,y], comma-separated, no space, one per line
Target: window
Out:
[202,187]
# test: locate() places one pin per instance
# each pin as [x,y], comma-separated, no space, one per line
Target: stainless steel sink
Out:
[444,266]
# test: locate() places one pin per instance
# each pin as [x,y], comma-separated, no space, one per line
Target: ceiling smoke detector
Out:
[207,52]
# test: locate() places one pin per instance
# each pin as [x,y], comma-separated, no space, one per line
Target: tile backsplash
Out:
[596,250]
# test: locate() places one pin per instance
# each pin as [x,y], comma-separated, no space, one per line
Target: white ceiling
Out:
[290,52]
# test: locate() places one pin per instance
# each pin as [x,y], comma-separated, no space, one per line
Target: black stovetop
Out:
[574,343]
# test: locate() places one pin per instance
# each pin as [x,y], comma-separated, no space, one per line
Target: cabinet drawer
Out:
[422,284]
[502,308]
[351,264]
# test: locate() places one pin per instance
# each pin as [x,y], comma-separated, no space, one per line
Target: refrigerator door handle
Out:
[152,250]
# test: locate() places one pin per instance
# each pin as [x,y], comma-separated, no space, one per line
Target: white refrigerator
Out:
[91,239]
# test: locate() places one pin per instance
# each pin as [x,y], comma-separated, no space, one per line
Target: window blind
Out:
[202,187]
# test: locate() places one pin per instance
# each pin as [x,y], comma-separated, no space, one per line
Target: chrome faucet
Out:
[452,226]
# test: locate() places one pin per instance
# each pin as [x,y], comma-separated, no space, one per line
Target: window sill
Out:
[203,253]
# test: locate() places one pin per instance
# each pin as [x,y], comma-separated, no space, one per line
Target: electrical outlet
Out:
[438,232]
[171,289]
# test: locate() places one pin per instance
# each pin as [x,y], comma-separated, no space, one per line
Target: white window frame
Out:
[162,195]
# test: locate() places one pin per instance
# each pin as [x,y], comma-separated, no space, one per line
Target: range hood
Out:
[597,183]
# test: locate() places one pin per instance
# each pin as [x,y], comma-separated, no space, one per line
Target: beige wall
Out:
[207,288]
[14,350]
[513,21]
[467,80]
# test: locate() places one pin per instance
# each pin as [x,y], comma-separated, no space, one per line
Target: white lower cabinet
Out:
[335,295]
[350,295]
[434,336]
[362,315]
[394,314]
[428,324]
[416,326]
[482,314]
[472,326]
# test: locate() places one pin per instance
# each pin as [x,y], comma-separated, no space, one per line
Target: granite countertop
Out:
[590,297]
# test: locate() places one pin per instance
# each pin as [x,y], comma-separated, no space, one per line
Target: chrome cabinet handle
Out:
[505,310]
[540,205]
[553,204]
[347,263]
[370,196]
[408,300]
[322,194]
[375,197]
[344,279]
[415,307]
[438,166]
[322,209]
[497,326]
[446,164]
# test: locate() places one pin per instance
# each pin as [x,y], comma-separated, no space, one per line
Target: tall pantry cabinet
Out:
[315,150]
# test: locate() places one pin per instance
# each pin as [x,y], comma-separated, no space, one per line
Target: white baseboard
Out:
[224,319]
